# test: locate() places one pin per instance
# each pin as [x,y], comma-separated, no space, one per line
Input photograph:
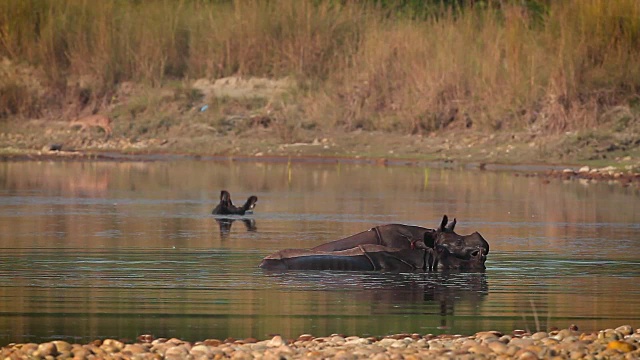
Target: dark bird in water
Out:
[226,207]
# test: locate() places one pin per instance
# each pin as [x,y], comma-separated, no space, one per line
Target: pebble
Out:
[621,346]
[498,347]
[620,343]
[625,330]
[277,341]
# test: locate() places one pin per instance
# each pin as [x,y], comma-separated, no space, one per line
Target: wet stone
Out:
[46,349]
[399,344]
[357,341]
[176,352]
[412,357]
[518,332]
[386,342]
[588,337]
[539,335]
[625,330]
[563,334]
[380,357]
[145,338]
[200,350]
[259,346]
[620,346]
[26,348]
[469,343]
[97,351]
[276,341]
[62,345]
[521,342]
[81,352]
[343,355]
[609,334]
[498,347]
[548,342]
[112,344]
[480,349]
[577,354]
[512,350]
[305,337]
[134,349]
[570,339]
[505,339]
[526,355]
[239,355]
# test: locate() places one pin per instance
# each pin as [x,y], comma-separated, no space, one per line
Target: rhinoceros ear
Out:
[451,225]
[443,224]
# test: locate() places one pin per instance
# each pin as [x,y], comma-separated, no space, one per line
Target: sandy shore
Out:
[620,343]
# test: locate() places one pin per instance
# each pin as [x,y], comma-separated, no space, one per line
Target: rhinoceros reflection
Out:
[426,293]
[225,224]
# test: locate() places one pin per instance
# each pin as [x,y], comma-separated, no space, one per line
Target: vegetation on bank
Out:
[543,65]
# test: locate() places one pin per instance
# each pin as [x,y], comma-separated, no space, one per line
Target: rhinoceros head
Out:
[454,251]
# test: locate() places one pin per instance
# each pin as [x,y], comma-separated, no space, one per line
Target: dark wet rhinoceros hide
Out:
[366,257]
[397,236]
[393,247]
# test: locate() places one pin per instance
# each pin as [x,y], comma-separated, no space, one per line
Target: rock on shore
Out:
[620,343]
[608,173]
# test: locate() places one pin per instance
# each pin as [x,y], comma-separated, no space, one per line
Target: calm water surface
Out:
[102,249]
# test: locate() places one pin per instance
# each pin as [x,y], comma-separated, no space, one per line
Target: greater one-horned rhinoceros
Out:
[392,247]
[226,207]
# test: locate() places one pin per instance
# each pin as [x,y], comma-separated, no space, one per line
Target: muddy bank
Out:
[42,140]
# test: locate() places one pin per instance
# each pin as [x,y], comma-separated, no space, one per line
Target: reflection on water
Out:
[98,249]
[225,223]
[395,294]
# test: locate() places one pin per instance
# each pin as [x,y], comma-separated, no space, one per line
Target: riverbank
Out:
[620,343]
[520,153]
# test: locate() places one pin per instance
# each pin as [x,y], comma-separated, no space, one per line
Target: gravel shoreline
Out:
[620,343]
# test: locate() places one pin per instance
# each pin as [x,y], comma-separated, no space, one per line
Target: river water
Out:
[117,249]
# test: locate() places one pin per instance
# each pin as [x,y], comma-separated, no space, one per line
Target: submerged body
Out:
[392,247]
[359,258]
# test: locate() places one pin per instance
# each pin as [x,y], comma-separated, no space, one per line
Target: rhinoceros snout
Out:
[479,257]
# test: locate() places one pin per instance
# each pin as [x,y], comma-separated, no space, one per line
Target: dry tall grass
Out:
[557,66]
